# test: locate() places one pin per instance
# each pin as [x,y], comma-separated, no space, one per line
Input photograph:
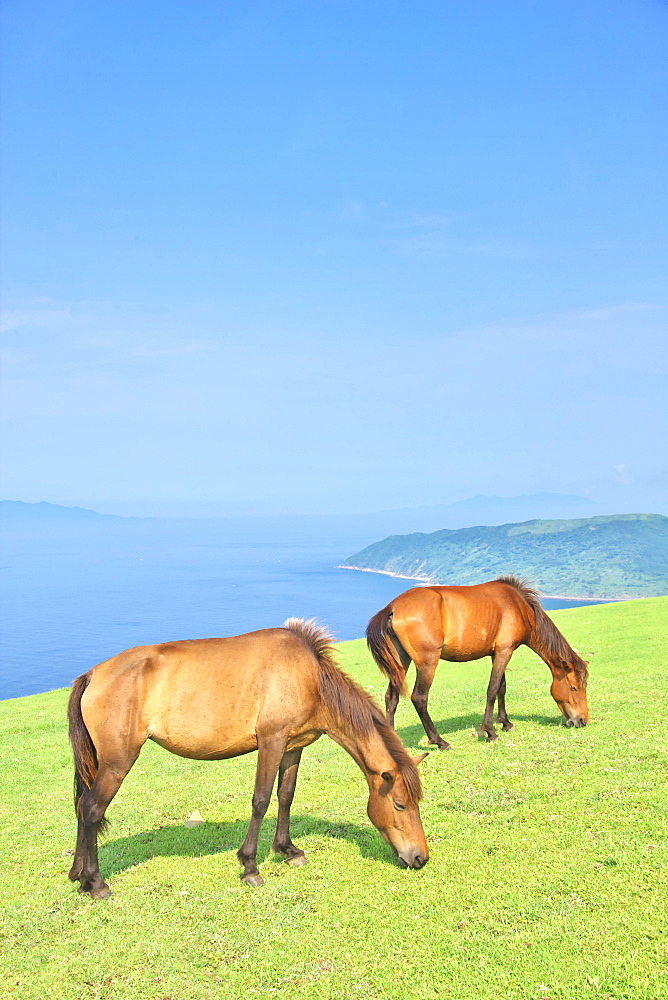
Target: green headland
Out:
[615,556]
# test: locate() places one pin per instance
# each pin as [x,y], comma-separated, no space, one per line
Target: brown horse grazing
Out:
[428,624]
[274,691]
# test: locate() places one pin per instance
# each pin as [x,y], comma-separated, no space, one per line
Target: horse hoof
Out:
[297,861]
[102,892]
[254,880]
[492,736]
[507,726]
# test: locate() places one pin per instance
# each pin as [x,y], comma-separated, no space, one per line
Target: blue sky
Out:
[334,255]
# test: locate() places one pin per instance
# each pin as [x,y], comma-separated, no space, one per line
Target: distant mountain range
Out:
[484,509]
[610,556]
[462,514]
[17,510]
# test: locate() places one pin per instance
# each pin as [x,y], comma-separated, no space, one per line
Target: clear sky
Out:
[334,255]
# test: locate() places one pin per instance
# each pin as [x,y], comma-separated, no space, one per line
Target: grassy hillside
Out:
[612,556]
[548,876]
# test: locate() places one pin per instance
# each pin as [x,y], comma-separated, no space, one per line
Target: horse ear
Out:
[387,776]
[418,760]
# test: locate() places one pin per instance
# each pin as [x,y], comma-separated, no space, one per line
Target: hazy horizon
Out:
[538,505]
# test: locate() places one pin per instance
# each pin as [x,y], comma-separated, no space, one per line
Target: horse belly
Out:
[471,643]
[226,710]
[206,745]
[470,626]
[463,654]
[207,722]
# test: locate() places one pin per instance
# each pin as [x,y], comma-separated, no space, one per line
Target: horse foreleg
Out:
[287,779]
[499,664]
[502,717]
[425,671]
[269,758]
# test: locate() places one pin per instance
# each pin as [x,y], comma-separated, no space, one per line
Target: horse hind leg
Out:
[77,864]
[391,702]
[287,780]
[425,671]
[91,808]
[392,693]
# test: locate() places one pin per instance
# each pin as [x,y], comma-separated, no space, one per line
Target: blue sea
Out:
[75,593]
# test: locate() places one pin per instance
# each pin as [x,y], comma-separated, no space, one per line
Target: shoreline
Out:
[387,572]
[430,582]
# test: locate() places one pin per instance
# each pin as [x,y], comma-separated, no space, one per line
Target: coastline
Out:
[428,580]
[387,572]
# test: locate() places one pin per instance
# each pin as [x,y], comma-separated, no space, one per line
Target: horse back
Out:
[203,698]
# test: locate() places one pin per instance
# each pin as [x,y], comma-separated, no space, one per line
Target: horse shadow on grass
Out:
[218,838]
[411,736]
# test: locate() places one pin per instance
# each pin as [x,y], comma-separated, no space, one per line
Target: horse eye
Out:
[398,805]
[573,688]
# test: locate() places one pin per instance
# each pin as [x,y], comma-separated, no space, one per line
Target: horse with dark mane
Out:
[428,624]
[274,691]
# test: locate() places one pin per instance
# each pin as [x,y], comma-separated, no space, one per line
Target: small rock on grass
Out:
[194,819]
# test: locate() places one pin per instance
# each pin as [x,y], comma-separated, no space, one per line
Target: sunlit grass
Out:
[547,876]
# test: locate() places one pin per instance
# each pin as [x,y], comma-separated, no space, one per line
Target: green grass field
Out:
[548,875]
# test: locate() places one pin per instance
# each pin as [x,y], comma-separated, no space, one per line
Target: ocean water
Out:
[74,594]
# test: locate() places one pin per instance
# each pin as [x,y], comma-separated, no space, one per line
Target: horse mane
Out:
[354,710]
[545,631]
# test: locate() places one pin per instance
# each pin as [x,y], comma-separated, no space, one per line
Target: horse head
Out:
[396,816]
[569,690]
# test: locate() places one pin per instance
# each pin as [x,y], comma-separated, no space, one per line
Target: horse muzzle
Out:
[577,723]
[412,860]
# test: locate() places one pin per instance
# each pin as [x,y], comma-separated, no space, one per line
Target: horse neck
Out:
[368,750]
[542,650]
[540,642]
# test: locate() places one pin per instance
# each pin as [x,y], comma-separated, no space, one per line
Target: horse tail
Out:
[83,748]
[379,639]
